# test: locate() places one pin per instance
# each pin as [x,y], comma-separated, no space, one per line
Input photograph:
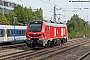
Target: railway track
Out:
[44,53]
[12,46]
[16,45]
[51,54]
[84,56]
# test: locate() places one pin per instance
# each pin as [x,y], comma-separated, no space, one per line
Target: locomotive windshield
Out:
[35,27]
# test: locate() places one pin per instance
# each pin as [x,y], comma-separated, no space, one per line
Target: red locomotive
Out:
[40,33]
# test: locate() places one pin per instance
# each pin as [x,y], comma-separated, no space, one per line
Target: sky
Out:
[65,8]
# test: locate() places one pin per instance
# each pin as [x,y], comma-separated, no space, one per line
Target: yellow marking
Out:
[5,35]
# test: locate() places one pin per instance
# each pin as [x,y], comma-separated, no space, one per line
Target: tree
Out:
[40,14]
[23,15]
[3,19]
[19,10]
[11,18]
[76,26]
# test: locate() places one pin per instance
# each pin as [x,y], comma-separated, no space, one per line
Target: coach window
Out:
[11,32]
[1,33]
[23,32]
[17,32]
[8,32]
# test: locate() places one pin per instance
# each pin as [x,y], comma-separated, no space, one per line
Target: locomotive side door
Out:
[46,32]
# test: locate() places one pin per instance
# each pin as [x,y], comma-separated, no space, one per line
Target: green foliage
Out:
[78,27]
[10,17]
[22,14]
[3,19]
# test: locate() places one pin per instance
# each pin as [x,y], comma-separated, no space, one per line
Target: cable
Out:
[49,3]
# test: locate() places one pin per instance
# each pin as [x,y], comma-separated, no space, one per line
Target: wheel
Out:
[46,45]
[28,45]
[49,43]
[65,40]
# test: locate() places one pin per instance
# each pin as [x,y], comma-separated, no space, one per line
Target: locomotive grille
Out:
[34,39]
[35,35]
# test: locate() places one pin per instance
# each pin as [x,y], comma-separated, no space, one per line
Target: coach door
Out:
[5,34]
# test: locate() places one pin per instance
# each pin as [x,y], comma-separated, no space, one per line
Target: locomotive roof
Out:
[48,23]
[37,21]
[55,24]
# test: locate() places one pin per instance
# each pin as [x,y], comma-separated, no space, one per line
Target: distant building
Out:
[6,6]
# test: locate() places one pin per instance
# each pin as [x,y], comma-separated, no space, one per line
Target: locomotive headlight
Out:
[42,34]
[27,34]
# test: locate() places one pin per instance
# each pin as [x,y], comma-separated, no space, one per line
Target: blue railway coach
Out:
[10,33]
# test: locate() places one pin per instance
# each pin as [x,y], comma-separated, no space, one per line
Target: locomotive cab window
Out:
[35,27]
